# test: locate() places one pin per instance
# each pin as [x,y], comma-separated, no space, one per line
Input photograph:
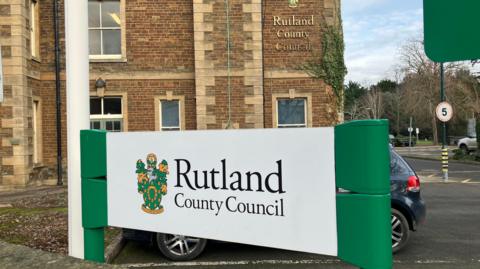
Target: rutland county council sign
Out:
[261,187]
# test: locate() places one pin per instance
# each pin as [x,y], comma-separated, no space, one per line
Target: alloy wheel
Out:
[400,230]
[397,231]
[181,245]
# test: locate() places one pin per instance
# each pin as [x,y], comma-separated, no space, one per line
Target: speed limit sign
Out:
[444,111]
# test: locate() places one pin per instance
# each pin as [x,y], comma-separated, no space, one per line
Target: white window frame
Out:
[34,30]
[305,116]
[37,130]
[292,94]
[180,120]
[158,110]
[104,117]
[121,56]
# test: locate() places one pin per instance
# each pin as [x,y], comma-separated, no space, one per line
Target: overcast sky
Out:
[374,31]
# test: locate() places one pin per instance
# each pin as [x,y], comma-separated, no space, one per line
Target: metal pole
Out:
[78,109]
[410,129]
[444,127]
[58,96]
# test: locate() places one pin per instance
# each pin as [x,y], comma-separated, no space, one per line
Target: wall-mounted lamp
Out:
[100,85]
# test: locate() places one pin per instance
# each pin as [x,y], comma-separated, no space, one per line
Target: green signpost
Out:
[451,30]
[94,192]
[362,176]
[363,213]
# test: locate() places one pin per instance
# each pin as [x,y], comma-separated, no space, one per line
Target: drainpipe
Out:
[58,96]
[229,87]
[263,62]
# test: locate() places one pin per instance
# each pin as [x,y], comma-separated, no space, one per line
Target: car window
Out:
[397,165]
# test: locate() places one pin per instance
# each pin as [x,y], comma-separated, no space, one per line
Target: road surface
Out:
[450,238]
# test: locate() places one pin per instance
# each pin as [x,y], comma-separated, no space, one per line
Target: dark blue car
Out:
[408,207]
[408,211]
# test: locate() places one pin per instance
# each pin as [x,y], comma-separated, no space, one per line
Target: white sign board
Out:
[1,76]
[444,111]
[273,187]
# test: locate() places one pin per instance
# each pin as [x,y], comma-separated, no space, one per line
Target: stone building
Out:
[162,65]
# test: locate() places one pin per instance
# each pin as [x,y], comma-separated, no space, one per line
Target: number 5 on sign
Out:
[444,111]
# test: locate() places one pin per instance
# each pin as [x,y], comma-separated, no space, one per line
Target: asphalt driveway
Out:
[450,238]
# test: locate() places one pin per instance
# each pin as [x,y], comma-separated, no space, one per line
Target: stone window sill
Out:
[108,60]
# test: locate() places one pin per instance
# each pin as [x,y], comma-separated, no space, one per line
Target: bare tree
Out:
[353,111]
[371,104]
[421,84]
[464,92]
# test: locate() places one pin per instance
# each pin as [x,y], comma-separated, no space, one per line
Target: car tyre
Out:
[179,247]
[464,149]
[400,230]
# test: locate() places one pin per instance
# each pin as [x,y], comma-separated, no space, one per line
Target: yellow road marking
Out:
[466,180]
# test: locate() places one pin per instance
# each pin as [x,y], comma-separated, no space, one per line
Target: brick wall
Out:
[291,60]
[323,109]
[220,109]
[140,106]
[153,46]
[178,48]
[141,102]
[212,51]
[159,35]
[45,90]
[282,68]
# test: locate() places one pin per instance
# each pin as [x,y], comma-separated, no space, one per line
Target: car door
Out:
[472,143]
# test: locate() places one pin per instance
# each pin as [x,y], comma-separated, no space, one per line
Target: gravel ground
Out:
[39,220]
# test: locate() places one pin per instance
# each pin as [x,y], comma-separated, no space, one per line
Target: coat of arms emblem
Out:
[152,183]
[293,3]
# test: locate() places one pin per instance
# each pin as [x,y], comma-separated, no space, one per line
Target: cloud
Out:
[353,6]
[371,68]
[372,42]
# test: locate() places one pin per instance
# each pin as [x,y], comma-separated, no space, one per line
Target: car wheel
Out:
[400,230]
[180,248]
[464,149]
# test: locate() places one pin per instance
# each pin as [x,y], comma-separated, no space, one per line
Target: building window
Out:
[106,114]
[170,115]
[36,123]
[104,27]
[34,31]
[292,113]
